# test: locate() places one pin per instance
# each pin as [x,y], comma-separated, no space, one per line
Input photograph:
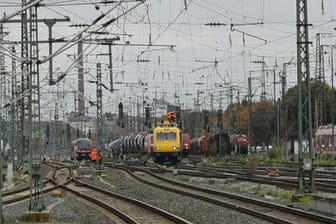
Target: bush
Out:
[274,153]
[212,150]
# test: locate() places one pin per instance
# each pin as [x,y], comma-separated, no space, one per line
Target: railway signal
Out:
[121,111]
[48,134]
[121,115]
[220,119]
[147,117]
[206,120]
[171,116]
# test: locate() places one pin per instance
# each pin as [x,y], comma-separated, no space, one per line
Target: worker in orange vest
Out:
[94,156]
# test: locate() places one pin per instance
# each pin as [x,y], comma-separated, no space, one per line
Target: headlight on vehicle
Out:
[174,148]
[157,148]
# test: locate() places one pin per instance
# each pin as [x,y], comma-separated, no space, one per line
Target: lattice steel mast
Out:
[31,104]
[15,125]
[306,155]
[99,109]
[24,102]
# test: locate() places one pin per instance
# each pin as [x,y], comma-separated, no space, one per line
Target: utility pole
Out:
[36,201]
[321,96]
[220,122]
[99,109]
[25,85]
[306,155]
[49,23]
[238,121]
[110,42]
[197,120]
[3,80]
[1,179]
[99,105]
[24,102]
[81,99]
[332,99]
[212,112]
[274,92]
[283,119]
[2,121]
[249,112]
[56,128]
[263,77]
[155,100]
[14,143]
[230,104]
[318,76]
[276,103]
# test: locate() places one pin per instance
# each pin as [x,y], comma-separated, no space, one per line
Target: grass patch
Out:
[301,199]
[305,200]
[287,195]
[257,190]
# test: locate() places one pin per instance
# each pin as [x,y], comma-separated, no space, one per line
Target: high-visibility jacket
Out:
[93,155]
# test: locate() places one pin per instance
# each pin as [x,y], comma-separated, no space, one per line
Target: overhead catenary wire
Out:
[196,41]
[76,38]
[29,5]
[62,49]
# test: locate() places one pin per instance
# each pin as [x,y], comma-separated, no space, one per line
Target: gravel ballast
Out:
[70,209]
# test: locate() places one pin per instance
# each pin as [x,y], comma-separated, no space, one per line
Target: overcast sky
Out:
[172,74]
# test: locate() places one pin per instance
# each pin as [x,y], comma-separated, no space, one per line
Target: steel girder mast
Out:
[30,105]
[306,155]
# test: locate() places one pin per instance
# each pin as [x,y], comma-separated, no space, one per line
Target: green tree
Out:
[262,122]
[323,106]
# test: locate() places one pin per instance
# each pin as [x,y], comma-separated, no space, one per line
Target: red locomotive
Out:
[185,143]
[83,148]
[239,143]
[323,141]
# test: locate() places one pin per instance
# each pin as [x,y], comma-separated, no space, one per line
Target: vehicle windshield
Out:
[184,138]
[83,144]
[166,136]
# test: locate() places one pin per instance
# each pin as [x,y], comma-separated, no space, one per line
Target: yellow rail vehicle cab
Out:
[166,143]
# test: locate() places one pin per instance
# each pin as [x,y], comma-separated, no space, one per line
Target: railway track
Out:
[135,210]
[286,179]
[119,208]
[264,210]
[23,193]
[126,208]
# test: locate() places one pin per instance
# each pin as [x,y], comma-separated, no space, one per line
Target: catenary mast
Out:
[306,155]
